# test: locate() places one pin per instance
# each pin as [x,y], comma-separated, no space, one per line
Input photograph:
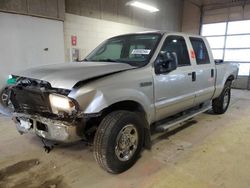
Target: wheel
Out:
[220,104]
[118,141]
[5,99]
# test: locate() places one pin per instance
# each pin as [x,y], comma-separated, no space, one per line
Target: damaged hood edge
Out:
[66,76]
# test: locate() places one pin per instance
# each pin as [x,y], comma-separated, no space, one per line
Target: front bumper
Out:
[49,129]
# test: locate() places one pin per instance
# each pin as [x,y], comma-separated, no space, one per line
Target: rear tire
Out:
[220,104]
[118,141]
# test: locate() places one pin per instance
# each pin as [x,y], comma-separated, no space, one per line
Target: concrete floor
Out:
[210,151]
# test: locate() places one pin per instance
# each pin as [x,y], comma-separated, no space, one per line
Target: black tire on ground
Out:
[5,100]
[116,132]
[220,104]
[4,97]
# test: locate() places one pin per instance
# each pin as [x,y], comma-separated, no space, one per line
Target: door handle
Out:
[212,73]
[193,74]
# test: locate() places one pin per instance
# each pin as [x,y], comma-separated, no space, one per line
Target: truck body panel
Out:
[67,75]
[94,87]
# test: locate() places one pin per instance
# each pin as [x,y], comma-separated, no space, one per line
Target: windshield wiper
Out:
[108,60]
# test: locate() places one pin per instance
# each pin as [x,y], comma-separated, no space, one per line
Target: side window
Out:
[177,45]
[200,51]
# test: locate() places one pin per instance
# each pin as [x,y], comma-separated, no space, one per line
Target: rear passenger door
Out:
[204,70]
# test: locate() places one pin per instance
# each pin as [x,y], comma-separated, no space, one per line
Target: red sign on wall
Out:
[73,40]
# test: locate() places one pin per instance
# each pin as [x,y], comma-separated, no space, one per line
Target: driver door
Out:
[174,91]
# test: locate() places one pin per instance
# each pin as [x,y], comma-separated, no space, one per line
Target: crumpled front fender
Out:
[94,101]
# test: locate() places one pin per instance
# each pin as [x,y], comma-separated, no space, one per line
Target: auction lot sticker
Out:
[141,51]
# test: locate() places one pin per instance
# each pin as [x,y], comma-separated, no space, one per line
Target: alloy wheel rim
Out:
[126,142]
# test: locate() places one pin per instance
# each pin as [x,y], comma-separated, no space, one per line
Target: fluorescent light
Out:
[143,6]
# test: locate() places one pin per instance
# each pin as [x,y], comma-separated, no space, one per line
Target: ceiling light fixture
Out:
[144,6]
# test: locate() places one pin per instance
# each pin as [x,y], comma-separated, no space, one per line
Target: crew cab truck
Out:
[126,88]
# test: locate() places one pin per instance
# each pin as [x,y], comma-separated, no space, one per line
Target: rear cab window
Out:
[200,50]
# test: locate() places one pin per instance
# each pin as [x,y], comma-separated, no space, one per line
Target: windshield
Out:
[135,49]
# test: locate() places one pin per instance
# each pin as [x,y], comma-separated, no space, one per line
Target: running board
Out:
[188,115]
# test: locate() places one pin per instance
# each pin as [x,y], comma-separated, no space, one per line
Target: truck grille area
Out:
[30,100]
[32,97]
[28,82]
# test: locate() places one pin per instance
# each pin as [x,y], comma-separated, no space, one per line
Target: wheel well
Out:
[123,105]
[230,78]
[133,107]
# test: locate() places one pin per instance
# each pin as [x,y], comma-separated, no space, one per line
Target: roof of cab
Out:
[162,32]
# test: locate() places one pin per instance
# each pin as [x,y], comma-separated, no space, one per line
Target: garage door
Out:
[27,41]
[228,34]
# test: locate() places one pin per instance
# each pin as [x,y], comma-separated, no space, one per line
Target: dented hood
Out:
[67,75]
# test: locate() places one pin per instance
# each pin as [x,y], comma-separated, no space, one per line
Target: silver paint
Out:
[67,75]
[169,94]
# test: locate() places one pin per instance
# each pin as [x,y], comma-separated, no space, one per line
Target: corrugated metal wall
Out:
[169,17]
[226,14]
[53,9]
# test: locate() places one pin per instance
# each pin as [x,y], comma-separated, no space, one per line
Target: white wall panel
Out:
[91,32]
[23,40]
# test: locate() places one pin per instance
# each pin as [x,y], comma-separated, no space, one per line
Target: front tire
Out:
[5,100]
[220,104]
[118,141]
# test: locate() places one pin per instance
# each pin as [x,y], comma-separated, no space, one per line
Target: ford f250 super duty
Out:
[127,88]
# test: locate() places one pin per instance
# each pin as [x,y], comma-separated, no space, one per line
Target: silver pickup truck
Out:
[128,87]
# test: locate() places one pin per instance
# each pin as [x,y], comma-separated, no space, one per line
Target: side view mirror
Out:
[166,62]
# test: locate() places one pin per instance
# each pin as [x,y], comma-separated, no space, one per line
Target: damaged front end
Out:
[46,111]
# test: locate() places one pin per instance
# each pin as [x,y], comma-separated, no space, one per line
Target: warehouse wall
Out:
[53,9]
[168,18]
[91,32]
[191,17]
[234,13]
[94,21]
[23,40]
[242,82]
[212,13]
